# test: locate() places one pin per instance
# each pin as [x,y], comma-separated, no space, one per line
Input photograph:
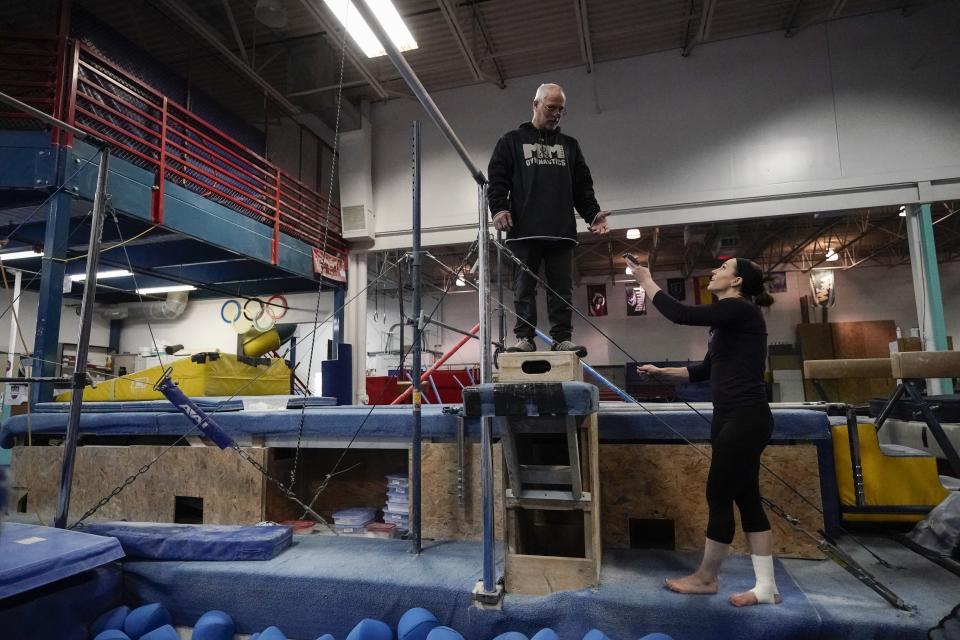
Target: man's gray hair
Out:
[543,89]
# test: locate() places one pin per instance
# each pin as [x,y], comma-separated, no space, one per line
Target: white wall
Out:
[863,293]
[69,323]
[849,105]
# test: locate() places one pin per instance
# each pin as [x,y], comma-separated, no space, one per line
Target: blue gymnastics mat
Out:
[158,541]
[32,556]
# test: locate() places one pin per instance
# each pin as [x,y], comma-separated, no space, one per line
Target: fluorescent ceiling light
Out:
[167,289]
[903,211]
[832,256]
[20,255]
[628,271]
[102,275]
[633,234]
[360,31]
[461,282]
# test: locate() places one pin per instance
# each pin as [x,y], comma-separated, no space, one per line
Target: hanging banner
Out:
[777,282]
[821,284]
[700,293]
[596,299]
[329,265]
[677,288]
[636,301]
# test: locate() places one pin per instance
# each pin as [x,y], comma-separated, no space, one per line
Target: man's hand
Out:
[502,221]
[599,224]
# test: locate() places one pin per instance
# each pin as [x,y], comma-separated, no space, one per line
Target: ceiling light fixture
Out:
[360,31]
[903,211]
[20,255]
[166,289]
[461,282]
[102,275]
[633,234]
[628,271]
[832,256]
[271,13]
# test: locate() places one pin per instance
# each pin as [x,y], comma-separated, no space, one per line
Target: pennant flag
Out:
[596,299]
[677,288]
[636,301]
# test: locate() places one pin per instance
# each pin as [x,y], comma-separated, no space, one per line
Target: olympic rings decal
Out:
[259,313]
[223,309]
[276,310]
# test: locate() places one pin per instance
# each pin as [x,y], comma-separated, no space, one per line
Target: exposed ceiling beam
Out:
[481,24]
[797,248]
[236,32]
[583,33]
[212,38]
[837,8]
[273,56]
[706,22]
[788,25]
[688,30]
[326,88]
[843,247]
[328,26]
[450,16]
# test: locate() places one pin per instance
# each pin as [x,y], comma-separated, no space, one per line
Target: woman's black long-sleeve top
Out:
[737,350]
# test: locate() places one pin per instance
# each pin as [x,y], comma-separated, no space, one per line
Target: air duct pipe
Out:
[169,309]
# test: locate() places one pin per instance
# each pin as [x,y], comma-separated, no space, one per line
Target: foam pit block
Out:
[416,624]
[145,619]
[214,625]
[111,634]
[369,629]
[166,632]
[112,619]
[595,634]
[545,634]
[511,635]
[444,633]
[271,633]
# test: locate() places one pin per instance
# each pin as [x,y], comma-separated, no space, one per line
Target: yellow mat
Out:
[887,480]
[220,375]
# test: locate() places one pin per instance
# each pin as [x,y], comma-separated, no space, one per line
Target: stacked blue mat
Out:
[153,622]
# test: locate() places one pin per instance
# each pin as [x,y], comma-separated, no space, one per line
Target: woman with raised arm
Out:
[742,422]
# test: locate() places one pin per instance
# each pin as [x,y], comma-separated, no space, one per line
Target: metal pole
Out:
[403,323]
[486,375]
[83,341]
[48,119]
[415,520]
[12,344]
[406,72]
[926,288]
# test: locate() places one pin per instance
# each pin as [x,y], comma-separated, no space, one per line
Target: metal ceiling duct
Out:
[169,309]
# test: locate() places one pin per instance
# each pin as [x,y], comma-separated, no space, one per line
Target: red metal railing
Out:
[147,129]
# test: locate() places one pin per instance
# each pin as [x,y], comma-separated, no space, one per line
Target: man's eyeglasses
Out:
[554,109]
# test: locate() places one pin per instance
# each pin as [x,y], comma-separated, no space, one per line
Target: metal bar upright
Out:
[83,340]
[486,375]
[926,287]
[367,12]
[415,519]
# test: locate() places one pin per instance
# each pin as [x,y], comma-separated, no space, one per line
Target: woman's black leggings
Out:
[738,435]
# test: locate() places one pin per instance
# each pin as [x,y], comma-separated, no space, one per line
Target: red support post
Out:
[156,211]
[275,247]
[436,365]
[69,115]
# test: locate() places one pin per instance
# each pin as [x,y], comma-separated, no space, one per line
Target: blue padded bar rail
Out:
[530,399]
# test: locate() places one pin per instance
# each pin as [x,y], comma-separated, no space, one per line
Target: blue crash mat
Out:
[32,556]
[158,541]
[141,406]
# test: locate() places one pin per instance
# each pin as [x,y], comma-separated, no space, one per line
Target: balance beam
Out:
[914,365]
[846,369]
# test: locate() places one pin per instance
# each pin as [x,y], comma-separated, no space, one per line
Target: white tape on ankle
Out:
[766,587]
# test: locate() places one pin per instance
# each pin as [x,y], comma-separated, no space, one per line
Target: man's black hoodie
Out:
[540,176]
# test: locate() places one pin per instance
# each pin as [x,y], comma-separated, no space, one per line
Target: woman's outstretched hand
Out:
[650,370]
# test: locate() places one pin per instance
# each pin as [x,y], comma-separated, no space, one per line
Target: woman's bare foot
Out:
[692,584]
[749,598]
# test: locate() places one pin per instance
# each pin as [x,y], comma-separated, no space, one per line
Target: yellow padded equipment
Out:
[220,375]
[887,480]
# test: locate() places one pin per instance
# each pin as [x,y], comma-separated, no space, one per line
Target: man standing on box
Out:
[537,178]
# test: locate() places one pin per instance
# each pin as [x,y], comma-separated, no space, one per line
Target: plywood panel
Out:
[816,343]
[669,482]
[444,518]
[564,366]
[231,488]
[866,339]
